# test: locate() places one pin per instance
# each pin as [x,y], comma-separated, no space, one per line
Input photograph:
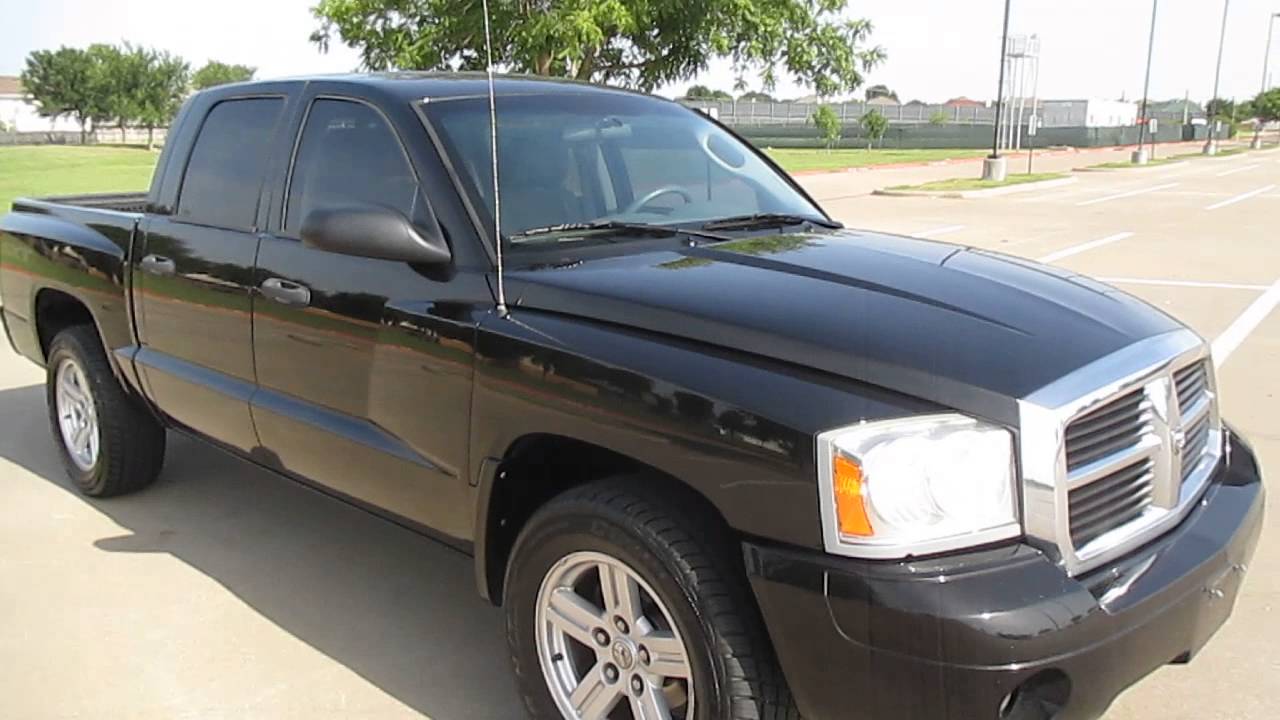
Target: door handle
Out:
[158,265]
[286,292]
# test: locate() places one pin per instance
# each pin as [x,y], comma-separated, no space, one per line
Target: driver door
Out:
[364,365]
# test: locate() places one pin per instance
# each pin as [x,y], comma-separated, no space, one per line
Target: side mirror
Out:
[372,232]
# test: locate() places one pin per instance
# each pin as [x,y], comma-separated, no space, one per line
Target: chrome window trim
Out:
[1046,413]
[869,549]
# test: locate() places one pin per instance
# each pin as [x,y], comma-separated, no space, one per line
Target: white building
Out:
[18,113]
[1089,113]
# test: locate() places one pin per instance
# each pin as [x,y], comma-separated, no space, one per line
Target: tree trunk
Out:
[151,138]
[84,134]
[588,65]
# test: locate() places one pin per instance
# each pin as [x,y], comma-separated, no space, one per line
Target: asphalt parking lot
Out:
[225,591]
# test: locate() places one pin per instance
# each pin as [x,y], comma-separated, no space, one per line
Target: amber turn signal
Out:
[851,507]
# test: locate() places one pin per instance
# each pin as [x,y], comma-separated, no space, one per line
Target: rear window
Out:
[225,172]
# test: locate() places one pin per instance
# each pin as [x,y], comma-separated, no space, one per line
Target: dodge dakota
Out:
[715,455]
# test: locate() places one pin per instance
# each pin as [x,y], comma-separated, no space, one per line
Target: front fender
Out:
[736,428]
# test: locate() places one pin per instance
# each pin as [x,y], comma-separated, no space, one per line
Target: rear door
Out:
[194,277]
[364,365]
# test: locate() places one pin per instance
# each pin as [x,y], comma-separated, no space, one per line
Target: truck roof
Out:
[411,85]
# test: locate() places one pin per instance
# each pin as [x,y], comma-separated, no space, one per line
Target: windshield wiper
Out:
[768,220]
[574,230]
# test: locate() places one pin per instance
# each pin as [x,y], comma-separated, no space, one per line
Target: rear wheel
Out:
[621,605]
[110,444]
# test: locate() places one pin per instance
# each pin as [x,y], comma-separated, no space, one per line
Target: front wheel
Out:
[621,605]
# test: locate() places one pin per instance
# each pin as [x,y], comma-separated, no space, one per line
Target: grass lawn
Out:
[979,184]
[38,171]
[796,159]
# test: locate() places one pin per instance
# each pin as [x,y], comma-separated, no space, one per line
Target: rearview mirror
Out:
[372,232]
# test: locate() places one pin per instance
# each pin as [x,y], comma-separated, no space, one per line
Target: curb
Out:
[1135,168]
[981,193]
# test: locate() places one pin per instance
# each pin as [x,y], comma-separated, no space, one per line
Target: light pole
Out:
[1211,146]
[994,167]
[1266,63]
[1266,56]
[1140,155]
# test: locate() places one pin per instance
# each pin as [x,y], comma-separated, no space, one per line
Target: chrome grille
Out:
[1197,444]
[1192,382]
[1111,502]
[1116,453]
[1103,432]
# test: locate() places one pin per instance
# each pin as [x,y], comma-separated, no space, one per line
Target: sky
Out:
[937,49]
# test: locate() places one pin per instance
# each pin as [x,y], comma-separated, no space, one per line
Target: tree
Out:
[874,125]
[939,117]
[219,73]
[120,78]
[1266,109]
[1220,109]
[702,92]
[639,45]
[828,123]
[168,78]
[876,91]
[61,82]
[755,96]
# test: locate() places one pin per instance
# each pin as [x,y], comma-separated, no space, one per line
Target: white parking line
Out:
[1131,193]
[1239,198]
[1248,321]
[1075,249]
[1182,283]
[1236,170]
[945,230]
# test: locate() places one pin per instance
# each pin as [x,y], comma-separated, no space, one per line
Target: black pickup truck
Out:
[717,456]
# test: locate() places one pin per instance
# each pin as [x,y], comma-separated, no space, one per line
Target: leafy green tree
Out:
[702,92]
[61,83]
[168,79]
[756,96]
[636,44]
[874,125]
[828,123]
[939,117]
[1220,109]
[876,91]
[216,73]
[120,77]
[1266,109]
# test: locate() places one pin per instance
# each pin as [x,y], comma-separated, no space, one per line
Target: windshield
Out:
[573,159]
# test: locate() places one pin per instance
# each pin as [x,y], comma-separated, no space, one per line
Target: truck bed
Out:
[130,202]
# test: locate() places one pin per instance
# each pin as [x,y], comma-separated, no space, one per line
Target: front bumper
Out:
[953,637]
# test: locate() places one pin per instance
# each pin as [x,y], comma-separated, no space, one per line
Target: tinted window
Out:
[348,157]
[589,157]
[224,174]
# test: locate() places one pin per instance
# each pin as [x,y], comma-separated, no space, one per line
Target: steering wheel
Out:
[649,197]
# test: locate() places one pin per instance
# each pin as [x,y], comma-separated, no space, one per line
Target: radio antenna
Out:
[493,151]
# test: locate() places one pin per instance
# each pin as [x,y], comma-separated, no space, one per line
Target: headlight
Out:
[896,488]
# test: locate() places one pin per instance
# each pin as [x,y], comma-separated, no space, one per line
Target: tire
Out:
[687,574]
[122,446]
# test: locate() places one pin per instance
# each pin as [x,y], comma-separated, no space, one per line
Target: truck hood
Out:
[965,328]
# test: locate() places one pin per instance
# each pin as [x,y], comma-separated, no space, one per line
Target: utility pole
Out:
[994,168]
[1266,63]
[1140,155]
[1211,146]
